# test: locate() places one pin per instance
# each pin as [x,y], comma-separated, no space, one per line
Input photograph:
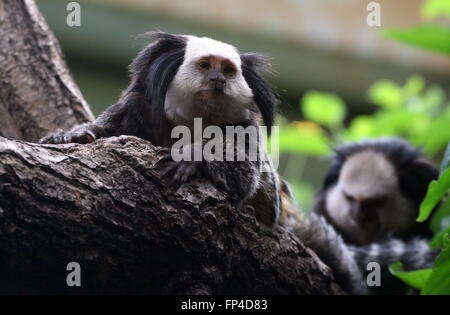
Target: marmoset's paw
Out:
[81,135]
[176,173]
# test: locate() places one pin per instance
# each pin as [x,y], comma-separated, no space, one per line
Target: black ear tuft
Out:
[153,70]
[332,175]
[337,161]
[415,177]
[162,43]
[252,67]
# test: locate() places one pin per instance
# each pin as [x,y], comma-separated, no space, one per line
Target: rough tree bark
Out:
[104,204]
[37,92]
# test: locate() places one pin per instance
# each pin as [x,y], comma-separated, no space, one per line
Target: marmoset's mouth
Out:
[211,93]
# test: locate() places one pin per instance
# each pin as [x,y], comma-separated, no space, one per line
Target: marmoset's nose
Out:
[217,81]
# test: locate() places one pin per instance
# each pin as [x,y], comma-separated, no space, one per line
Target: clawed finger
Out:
[220,182]
[178,173]
[181,175]
[163,158]
[169,169]
[46,140]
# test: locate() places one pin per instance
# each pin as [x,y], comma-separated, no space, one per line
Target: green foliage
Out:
[441,219]
[437,200]
[413,111]
[436,8]
[388,94]
[324,108]
[303,138]
[430,36]
[446,160]
[439,279]
[433,37]
[417,278]
[436,242]
[436,191]
[432,280]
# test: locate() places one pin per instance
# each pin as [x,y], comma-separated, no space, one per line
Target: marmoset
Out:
[178,78]
[371,195]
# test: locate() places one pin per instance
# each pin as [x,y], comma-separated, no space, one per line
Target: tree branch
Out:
[105,206]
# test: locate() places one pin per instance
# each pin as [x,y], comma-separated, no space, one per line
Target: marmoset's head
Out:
[374,188]
[210,70]
[186,77]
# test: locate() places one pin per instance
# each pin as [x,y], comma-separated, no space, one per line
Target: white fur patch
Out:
[374,250]
[198,47]
[368,174]
[422,247]
[397,247]
[181,106]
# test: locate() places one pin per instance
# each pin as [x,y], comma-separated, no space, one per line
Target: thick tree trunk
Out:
[37,93]
[104,204]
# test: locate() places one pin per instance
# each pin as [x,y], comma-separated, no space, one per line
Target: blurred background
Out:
[339,79]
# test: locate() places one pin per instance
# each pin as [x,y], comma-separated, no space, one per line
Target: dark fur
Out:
[252,66]
[140,112]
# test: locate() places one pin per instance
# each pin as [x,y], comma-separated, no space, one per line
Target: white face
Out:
[209,84]
[366,202]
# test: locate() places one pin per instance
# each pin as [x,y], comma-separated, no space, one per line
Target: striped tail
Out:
[414,254]
[317,234]
[333,251]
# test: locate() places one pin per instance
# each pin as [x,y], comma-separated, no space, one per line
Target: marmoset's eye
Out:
[229,70]
[376,202]
[204,65]
[348,197]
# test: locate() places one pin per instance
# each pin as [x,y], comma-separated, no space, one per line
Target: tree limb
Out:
[105,206]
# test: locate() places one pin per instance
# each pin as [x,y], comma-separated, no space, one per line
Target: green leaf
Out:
[436,190]
[433,37]
[292,140]
[361,127]
[439,280]
[438,239]
[433,97]
[441,217]
[446,160]
[434,8]
[386,93]
[414,85]
[398,123]
[324,108]
[437,135]
[417,278]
